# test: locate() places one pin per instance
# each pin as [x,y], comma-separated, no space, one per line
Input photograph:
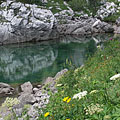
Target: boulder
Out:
[59,74]
[27,87]
[5,88]
[26,98]
[24,22]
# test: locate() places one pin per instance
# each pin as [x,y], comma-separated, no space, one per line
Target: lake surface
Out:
[36,61]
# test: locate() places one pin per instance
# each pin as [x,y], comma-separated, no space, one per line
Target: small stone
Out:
[35,90]
[39,86]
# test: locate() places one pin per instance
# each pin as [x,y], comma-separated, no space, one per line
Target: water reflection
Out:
[35,62]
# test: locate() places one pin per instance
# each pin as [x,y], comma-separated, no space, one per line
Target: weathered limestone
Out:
[24,22]
[5,88]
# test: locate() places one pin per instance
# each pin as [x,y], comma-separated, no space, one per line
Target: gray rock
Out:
[35,90]
[27,87]
[117,30]
[6,89]
[27,98]
[1,119]
[24,22]
[59,74]
[85,27]
[118,21]
[49,80]
[107,9]
[32,112]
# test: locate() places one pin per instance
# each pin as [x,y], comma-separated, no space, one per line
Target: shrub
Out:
[83,5]
[38,2]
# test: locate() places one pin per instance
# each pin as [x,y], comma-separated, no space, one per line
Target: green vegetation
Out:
[90,6]
[101,101]
[37,2]
[112,18]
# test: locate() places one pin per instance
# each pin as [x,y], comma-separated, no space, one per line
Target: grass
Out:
[100,104]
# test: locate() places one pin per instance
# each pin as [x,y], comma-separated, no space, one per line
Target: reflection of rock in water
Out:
[16,63]
[85,39]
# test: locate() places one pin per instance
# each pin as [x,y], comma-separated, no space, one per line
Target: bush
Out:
[78,5]
[82,5]
[38,2]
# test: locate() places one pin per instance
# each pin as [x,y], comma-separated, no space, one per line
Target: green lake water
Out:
[36,61]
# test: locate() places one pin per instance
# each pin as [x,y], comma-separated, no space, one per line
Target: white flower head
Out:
[80,95]
[115,77]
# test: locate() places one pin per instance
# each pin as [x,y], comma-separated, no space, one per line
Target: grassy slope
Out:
[102,104]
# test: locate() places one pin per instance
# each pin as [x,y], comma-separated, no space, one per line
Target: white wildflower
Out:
[80,95]
[115,77]
[91,109]
[58,85]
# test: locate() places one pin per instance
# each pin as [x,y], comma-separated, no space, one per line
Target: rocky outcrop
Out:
[107,9]
[85,26]
[117,26]
[5,88]
[24,22]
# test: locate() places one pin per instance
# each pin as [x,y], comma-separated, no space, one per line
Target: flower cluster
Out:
[91,109]
[80,95]
[10,102]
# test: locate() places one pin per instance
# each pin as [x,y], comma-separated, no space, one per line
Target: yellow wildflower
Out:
[65,99]
[46,114]
[68,100]
[72,105]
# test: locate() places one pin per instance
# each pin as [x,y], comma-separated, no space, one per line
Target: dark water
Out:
[36,61]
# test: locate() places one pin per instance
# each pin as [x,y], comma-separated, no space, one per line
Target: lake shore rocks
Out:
[6,89]
[83,26]
[34,97]
[25,22]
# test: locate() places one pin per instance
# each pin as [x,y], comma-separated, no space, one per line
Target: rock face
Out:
[24,22]
[118,21]
[117,26]
[5,88]
[107,9]
[84,27]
